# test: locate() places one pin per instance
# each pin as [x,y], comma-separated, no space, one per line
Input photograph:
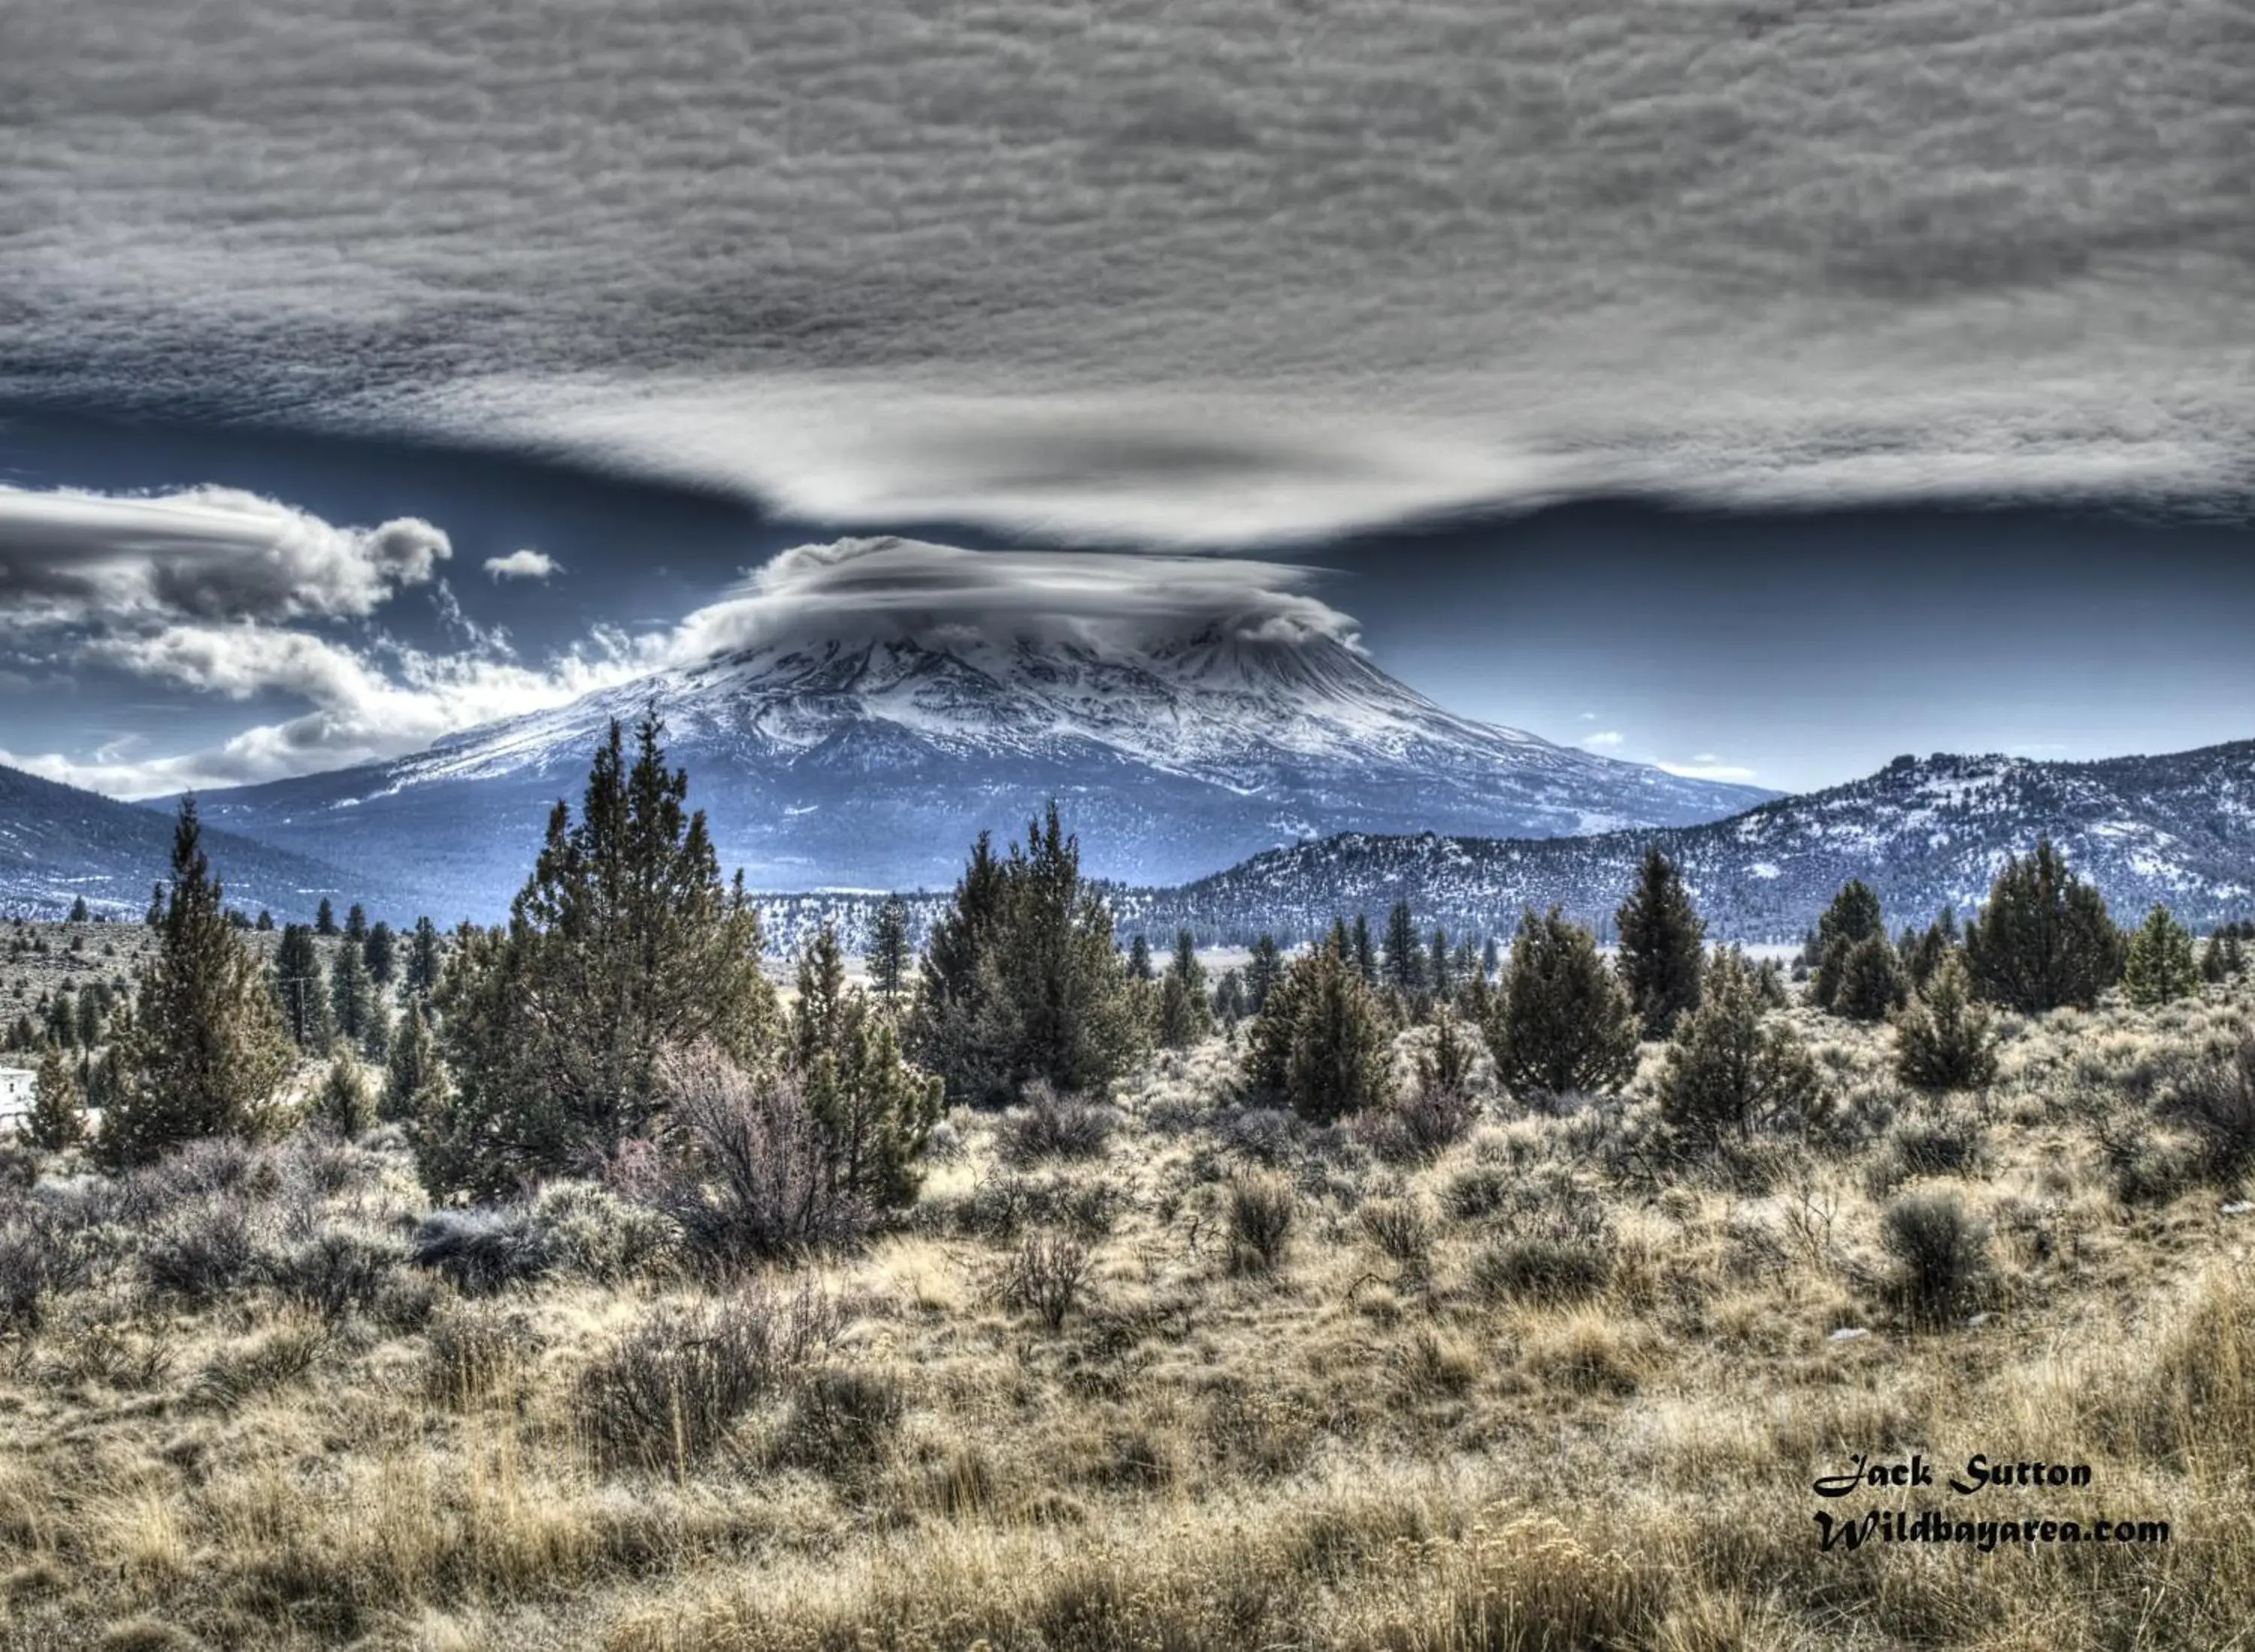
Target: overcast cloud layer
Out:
[1183,273]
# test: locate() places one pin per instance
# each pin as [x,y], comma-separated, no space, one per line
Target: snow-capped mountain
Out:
[873,763]
[2178,830]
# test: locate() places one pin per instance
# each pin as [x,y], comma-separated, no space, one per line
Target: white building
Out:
[15,1093]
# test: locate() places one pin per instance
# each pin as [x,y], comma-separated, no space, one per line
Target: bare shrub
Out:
[1260,1212]
[337,1273]
[1940,1254]
[2216,1103]
[1270,1136]
[1046,1275]
[41,1257]
[841,1421]
[206,1248]
[1941,1143]
[1420,1126]
[472,1350]
[1402,1229]
[586,1229]
[667,1391]
[1049,1126]
[484,1250]
[757,1177]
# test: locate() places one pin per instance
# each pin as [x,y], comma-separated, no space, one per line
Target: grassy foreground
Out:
[1206,1380]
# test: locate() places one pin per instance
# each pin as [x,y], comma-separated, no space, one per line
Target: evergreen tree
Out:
[1491,958]
[1852,919]
[1926,953]
[1945,1041]
[356,924]
[79,912]
[1365,952]
[343,1102]
[622,944]
[1265,969]
[1184,1016]
[1727,1071]
[425,959]
[352,999]
[1662,947]
[2044,940]
[265,924]
[2159,965]
[1404,970]
[1229,1002]
[1139,960]
[300,990]
[1867,983]
[2211,961]
[380,949]
[206,1051]
[413,1079]
[155,919]
[325,920]
[1023,980]
[57,1121]
[873,1110]
[1439,975]
[1562,1024]
[1321,1044]
[891,956]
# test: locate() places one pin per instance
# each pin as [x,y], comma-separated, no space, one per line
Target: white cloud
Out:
[1707,766]
[1606,739]
[527,564]
[1182,276]
[205,553]
[368,704]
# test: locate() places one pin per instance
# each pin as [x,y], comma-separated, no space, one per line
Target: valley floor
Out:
[1535,1393]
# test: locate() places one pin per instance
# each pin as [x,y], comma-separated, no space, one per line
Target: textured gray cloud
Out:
[889,585]
[1181,270]
[210,553]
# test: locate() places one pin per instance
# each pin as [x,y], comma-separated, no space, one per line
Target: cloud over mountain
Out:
[1194,274]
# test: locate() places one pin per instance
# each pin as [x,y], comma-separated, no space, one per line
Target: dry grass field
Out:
[1206,1379]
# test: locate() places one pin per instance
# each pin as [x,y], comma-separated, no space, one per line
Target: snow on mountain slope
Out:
[871,761]
[2178,830]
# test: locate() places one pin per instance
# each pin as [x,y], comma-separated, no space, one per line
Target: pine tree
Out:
[2211,961]
[1139,960]
[1229,1002]
[1320,1045]
[623,944]
[2044,940]
[80,912]
[343,1102]
[300,989]
[1262,972]
[1945,1041]
[1365,953]
[1563,1024]
[413,1076]
[874,1111]
[1185,1016]
[1491,958]
[206,1051]
[891,956]
[381,949]
[1662,947]
[425,959]
[2159,965]
[352,999]
[265,924]
[155,917]
[356,924]
[325,920]
[1023,980]
[1852,919]
[1867,983]
[57,1121]
[1404,970]
[1439,975]
[1727,1071]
